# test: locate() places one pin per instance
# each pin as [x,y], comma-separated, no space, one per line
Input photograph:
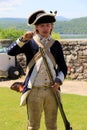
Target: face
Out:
[44,29]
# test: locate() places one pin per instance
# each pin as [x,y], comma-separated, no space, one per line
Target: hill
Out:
[18,23]
[61,18]
[73,26]
[62,26]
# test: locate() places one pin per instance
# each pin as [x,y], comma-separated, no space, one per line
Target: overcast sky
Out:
[23,8]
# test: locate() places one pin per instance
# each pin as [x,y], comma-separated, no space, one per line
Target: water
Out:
[75,36]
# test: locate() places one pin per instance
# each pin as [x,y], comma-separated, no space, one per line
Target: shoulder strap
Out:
[46,48]
[33,61]
[38,54]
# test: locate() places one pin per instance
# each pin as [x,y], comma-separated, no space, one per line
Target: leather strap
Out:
[38,54]
[46,48]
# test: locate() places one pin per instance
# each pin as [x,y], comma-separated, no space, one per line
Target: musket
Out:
[56,92]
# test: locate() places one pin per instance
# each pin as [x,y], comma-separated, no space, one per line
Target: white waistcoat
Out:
[39,76]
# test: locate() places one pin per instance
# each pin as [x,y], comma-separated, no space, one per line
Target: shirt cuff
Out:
[19,43]
[60,77]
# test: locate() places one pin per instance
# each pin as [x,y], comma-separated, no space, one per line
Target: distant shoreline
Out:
[73,36]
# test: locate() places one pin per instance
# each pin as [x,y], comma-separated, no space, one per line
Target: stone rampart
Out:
[75,53]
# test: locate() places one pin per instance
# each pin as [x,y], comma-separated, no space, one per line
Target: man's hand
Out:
[56,86]
[28,35]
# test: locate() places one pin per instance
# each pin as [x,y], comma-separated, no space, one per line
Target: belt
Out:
[41,87]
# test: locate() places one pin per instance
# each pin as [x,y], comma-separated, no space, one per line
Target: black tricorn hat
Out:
[41,16]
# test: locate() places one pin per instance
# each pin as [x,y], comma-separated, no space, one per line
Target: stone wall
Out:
[75,53]
[5,42]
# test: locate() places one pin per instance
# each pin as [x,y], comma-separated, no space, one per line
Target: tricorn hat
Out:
[41,16]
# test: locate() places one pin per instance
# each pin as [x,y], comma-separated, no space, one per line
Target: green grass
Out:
[14,117]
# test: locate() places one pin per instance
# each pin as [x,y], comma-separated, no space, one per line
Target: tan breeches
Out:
[42,99]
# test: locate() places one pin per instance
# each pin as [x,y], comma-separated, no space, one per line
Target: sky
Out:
[24,8]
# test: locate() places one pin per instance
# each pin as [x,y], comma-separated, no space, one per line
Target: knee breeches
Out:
[37,101]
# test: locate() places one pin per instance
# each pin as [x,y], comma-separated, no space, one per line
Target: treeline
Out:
[73,26]
[13,34]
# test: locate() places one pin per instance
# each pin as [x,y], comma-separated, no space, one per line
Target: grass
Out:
[14,117]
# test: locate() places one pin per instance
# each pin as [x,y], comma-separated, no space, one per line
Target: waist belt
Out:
[40,87]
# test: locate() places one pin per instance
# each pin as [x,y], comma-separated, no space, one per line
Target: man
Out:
[41,97]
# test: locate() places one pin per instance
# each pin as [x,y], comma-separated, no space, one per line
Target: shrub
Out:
[11,33]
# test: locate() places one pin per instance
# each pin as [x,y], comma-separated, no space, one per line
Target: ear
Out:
[36,28]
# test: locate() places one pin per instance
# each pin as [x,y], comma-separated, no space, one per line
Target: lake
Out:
[75,36]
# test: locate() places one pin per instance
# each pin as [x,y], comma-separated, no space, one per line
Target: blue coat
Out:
[30,48]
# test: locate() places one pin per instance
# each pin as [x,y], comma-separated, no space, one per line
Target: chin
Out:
[45,35]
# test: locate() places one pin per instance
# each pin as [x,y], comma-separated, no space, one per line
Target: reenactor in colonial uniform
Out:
[37,94]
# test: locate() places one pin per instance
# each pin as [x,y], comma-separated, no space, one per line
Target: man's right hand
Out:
[28,35]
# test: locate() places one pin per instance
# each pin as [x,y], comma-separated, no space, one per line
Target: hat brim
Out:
[24,97]
[44,18]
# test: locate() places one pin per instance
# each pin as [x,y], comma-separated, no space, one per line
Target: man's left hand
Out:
[56,86]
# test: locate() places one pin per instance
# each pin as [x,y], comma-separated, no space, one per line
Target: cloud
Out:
[8,5]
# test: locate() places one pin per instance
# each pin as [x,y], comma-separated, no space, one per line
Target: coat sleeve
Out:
[16,47]
[59,58]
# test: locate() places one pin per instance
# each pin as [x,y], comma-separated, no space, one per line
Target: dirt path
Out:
[74,87]
[8,83]
[71,87]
